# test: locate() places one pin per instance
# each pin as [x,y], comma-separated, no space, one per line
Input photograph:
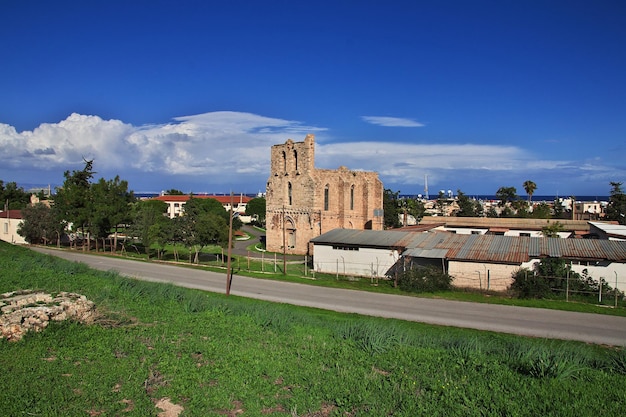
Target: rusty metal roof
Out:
[488,248]
[364,238]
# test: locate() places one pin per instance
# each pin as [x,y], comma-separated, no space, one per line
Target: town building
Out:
[176,204]
[505,226]
[607,230]
[10,220]
[303,202]
[477,261]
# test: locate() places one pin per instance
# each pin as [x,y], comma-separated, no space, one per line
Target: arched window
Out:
[289,189]
[285,162]
[295,155]
[326,198]
[352,197]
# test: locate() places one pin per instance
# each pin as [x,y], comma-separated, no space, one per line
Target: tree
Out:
[530,188]
[256,209]
[163,232]
[73,199]
[412,207]
[558,210]
[552,229]
[541,211]
[199,229]
[506,195]
[111,206]
[467,206]
[195,207]
[174,191]
[520,208]
[391,209]
[616,209]
[39,224]
[509,200]
[145,215]
[13,197]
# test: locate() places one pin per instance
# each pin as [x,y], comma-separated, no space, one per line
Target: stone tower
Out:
[303,202]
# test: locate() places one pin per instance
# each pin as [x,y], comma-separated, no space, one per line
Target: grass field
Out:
[202,354]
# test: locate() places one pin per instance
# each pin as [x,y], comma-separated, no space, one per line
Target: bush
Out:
[552,277]
[424,279]
[528,285]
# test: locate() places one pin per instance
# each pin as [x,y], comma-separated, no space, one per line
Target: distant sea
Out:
[536,198]
[153,194]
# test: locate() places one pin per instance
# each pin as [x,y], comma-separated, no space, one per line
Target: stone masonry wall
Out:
[23,311]
[303,202]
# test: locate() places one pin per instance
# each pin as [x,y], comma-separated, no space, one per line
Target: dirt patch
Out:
[169,408]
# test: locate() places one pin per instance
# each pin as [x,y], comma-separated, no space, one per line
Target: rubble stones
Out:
[22,311]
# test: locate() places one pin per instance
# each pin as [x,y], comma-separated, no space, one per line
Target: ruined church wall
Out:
[297,209]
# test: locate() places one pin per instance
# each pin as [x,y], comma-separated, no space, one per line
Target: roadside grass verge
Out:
[220,356]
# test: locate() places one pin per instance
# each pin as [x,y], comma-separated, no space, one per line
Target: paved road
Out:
[591,328]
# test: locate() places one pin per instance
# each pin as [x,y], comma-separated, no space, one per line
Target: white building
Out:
[9,222]
[176,203]
[474,260]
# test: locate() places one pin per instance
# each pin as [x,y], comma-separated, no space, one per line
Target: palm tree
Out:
[530,188]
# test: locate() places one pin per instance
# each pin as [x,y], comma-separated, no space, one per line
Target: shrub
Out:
[553,276]
[424,279]
[528,285]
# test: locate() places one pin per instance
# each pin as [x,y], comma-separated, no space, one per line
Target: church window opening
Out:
[289,193]
[326,198]
[352,198]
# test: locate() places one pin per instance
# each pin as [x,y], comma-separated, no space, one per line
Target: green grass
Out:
[214,355]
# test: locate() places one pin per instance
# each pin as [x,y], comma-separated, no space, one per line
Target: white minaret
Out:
[426,186]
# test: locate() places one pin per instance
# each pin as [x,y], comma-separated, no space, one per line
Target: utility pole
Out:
[229,274]
[284,245]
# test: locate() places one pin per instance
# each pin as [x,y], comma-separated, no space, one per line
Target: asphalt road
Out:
[553,324]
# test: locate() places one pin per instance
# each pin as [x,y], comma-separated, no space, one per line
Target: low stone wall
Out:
[23,311]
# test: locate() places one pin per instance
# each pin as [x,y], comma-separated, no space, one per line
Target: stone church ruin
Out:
[303,202]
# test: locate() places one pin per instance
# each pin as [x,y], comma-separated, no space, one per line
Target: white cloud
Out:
[234,148]
[65,143]
[211,144]
[408,163]
[391,121]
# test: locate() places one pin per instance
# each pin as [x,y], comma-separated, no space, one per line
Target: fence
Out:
[578,288]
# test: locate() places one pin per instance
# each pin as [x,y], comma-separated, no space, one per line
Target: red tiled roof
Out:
[11,214]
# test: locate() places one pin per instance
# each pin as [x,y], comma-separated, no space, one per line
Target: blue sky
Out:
[192,94]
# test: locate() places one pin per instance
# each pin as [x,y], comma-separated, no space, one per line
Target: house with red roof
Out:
[9,222]
[176,203]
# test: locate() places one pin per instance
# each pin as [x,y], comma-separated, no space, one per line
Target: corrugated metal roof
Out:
[612,252]
[489,248]
[365,238]
[426,253]
[616,230]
